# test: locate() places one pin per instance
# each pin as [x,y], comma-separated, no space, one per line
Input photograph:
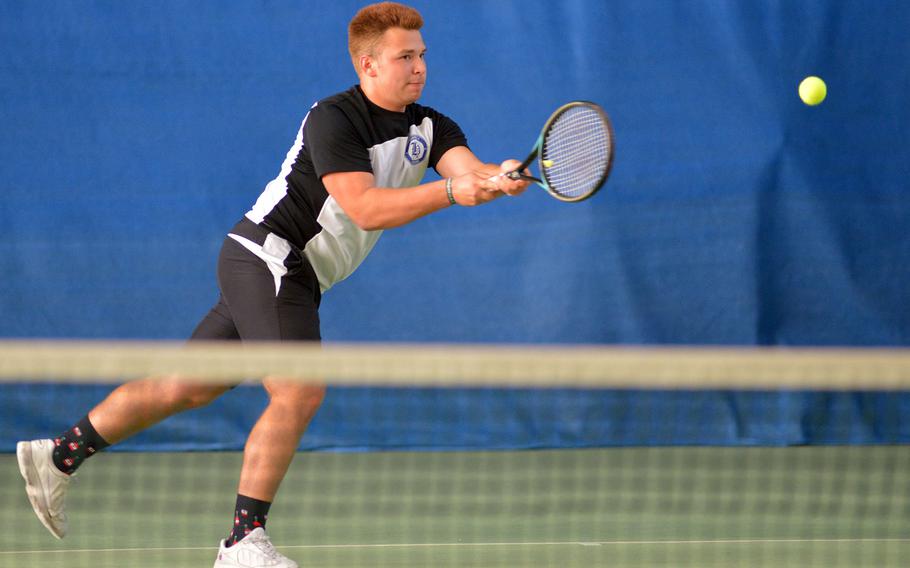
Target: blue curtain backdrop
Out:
[133,135]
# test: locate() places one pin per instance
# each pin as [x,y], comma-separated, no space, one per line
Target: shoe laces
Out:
[264,544]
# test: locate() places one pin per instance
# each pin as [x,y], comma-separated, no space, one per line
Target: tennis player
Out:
[354,170]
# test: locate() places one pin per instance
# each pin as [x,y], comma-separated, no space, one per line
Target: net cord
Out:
[460,365]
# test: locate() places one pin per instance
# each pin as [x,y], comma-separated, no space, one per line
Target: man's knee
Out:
[308,399]
[185,396]
[303,400]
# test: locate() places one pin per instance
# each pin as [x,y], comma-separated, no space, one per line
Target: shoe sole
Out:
[226,564]
[33,486]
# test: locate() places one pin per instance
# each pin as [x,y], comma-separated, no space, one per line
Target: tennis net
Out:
[461,455]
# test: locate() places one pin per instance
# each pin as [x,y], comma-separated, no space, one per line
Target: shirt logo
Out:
[416,149]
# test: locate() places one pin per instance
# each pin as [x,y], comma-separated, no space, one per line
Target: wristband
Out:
[449,191]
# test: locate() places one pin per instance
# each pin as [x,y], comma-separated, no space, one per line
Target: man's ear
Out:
[367,65]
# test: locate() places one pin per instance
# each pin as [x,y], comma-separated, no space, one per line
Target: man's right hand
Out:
[475,188]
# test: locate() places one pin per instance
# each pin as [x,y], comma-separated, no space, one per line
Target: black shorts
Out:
[269,292]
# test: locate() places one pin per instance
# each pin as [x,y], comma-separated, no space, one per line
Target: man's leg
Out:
[46,465]
[273,440]
[271,294]
[269,450]
[137,405]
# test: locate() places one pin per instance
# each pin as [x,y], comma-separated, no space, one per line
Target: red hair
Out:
[368,25]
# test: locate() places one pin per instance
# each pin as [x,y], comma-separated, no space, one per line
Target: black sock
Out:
[249,514]
[75,445]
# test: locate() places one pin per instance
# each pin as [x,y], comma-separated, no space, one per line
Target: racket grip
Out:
[516,175]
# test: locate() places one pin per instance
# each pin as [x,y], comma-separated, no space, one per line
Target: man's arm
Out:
[373,208]
[460,160]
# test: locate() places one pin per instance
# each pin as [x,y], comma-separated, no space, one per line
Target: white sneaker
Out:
[254,551]
[45,484]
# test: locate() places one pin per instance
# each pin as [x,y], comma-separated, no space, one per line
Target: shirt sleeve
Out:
[446,135]
[334,143]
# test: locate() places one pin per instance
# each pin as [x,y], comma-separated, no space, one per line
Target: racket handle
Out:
[516,175]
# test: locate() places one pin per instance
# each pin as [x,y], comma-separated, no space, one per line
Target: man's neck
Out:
[375,97]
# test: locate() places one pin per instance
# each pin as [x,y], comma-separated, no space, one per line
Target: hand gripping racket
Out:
[574,151]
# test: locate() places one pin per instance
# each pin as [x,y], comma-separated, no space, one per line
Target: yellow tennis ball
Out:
[812,91]
[548,163]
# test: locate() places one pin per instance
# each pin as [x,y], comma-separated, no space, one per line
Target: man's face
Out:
[401,71]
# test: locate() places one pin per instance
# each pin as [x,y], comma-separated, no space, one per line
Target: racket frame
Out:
[538,146]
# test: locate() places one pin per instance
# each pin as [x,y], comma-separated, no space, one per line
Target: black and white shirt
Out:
[348,133]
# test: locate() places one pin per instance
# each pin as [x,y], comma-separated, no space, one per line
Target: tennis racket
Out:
[574,152]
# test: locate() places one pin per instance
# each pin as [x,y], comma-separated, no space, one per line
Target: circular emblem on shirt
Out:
[416,149]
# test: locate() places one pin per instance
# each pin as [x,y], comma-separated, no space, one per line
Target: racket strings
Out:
[577,148]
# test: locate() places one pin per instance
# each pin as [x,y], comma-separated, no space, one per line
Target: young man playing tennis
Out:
[353,170]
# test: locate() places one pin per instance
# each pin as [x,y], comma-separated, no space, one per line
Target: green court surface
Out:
[621,507]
